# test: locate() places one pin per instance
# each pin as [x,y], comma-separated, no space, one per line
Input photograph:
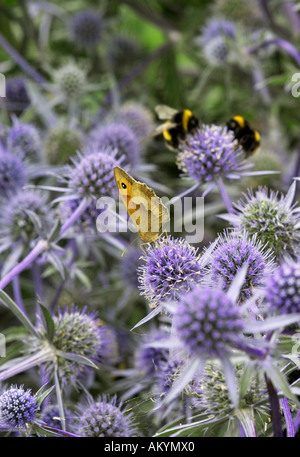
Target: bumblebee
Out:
[178,124]
[247,137]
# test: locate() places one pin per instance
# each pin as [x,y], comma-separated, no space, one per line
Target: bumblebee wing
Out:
[165,112]
[162,127]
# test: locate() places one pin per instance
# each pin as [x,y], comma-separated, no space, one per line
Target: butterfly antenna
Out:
[130,244]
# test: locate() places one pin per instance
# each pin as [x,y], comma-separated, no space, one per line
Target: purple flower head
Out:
[24,140]
[121,52]
[12,174]
[207,322]
[215,27]
[283,288]
[51,416]
[17,407]
[210,153]
[149,359]
[86,28]
[215,38]
[138,118]
[171,267]
[103,418]
[25,216]
[119,137]
[231,253]
[17,98]
[272,217]
[92,173]
[79,333]
[130,263]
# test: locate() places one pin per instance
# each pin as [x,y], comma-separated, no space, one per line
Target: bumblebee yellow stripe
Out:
[186,115]
[256,136]
[240,120]
[166,133]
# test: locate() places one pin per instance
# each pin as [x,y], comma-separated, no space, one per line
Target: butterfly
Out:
[144,207]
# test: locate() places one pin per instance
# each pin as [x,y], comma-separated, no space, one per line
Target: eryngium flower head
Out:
[70,80]
[171,267]
[273,217]
[207,322]
[130,263]
[12,174]
[283,288]
[17,99]
[25,216]
[121,52]
[92,173]
[231,253]
[17,407]
[51,416]
[215,38]
[138,118]
[119,137]
[86,27]
[210,153]
[210,391]
[61,143]
[148,359]
[24,140]
[77,332]
[103,418]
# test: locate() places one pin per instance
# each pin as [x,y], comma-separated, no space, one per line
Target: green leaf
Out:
[55,231]
[41,394]
[77,358]
[47,321]
[279,381]
[39,430]
[4,298]
[246,418]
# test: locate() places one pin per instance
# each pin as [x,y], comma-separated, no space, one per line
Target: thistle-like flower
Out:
[18,407]
[207,322]
[92,173]
[12,174]
[171,267]
[231,253]
[210,153]
[70,80]
[120,138]
[17,98]
[215,39]
[76,332]
[210,391]
[273,217]
[24,217]
[61,143]
[86,28]
[121,52]
[103,418]
[24,140]
[283,288]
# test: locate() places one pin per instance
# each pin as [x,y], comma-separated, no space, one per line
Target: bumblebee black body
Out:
[178,126]
[247,137]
